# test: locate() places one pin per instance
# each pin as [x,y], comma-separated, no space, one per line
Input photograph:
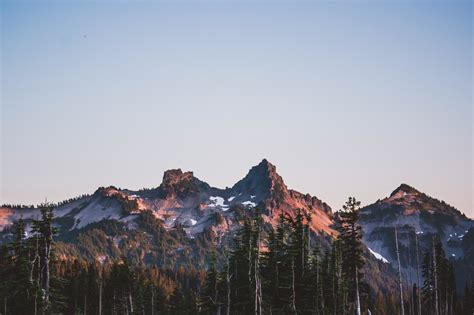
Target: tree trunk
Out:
[293,297]
[113,305]
[357,291]
[258,306]
[402,310]
[435,273]
[85,304]
[216,296]
[100,296]
[409,281]
[46,278]
[333,283]
[131,301]
[228,285]
[152,300]
[418,274]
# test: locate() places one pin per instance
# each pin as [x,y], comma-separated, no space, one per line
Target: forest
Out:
[283,270]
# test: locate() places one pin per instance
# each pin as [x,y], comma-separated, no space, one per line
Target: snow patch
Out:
[96,212]
[378,256]
[193,222]
[217,201]
[231,198]
[249,203]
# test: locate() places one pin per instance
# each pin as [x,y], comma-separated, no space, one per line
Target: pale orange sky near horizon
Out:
[345,98]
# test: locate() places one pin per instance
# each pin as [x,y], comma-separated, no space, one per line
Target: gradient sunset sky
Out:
[344,97]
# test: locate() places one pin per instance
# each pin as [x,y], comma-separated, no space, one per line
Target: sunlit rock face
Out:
[183,206]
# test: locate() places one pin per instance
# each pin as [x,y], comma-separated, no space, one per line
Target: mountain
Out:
[418,218]
[175,221]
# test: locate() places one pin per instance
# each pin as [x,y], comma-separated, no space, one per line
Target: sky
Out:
[346,98]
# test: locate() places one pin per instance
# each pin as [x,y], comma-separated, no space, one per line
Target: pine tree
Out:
[209,300]
[467,299]
[352,250]
[45,232]
[18,286]
[428,285]
[400,282]
[439,290]
[275,262]
[246,294]
[299,251]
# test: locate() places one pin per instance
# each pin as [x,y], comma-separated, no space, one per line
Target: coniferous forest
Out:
[284,270]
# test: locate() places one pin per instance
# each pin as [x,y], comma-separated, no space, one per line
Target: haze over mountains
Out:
[176,222]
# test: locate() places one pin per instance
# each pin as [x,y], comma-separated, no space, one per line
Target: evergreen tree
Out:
[428,285]
[352,249]
[439,290]
[274,266]
[18,287]
[299,252]
[209,300]
[45,232]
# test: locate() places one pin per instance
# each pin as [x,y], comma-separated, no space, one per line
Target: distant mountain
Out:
[175,223]
[183,210]
[418,218]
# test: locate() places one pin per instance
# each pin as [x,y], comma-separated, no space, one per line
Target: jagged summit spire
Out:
[265,165]
[260,180]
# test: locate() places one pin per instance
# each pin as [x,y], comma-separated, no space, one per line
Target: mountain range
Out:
[177,222]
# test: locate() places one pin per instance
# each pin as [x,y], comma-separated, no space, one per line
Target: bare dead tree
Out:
[152,299]
[357,291]
[418,273]
[100,296]
[402,310]
[435,272]
[227,280]
[293,297]
[409,280]
[130,301]
[258,287]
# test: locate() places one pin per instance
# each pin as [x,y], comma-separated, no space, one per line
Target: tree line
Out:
[288,274]
[286,271]
[35,280]
[281,270]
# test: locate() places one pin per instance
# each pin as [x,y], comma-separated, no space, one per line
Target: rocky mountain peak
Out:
[406,200]
[177,183]
[261,181]
[404,189]
[176,176]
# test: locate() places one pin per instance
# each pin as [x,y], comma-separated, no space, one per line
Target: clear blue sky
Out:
[345,97]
